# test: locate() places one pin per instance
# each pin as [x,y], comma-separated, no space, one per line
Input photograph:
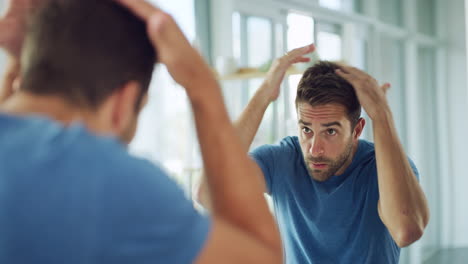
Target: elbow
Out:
[278,257]
[408,235]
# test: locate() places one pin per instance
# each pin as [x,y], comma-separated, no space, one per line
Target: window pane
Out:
[259,39]
[426,16]
[345,5]
[165,134]
[266,132]
[391,12]
[300,30]
[393,70]
[300,33]
[430,170]
[329,42]
[236,36]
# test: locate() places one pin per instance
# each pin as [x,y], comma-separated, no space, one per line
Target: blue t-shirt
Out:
[68,196]
[335,221]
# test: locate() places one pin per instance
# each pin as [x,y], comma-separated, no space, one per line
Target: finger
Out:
[301,51]
[385,87]
[346,69]
[356,72]
[140,8]
[166,35]
[301,59]
[346,75]
[157,25]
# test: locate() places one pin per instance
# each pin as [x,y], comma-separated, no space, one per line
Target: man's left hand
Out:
[371,95]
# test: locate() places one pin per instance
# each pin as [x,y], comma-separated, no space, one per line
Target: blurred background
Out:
[419,46]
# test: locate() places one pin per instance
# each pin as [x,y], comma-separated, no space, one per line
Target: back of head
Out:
[321,85]
[84,50]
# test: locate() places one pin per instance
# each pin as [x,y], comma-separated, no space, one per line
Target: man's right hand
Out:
[13,25]
[183,62]
[279,67]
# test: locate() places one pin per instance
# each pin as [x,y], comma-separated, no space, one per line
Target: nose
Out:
[316,148]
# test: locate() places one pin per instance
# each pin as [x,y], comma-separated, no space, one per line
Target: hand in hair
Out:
[183,62]
[12,31]
[279,67]
[371,95]
[13,25]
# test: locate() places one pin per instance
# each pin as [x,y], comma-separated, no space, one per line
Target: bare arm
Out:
[402,206]
[240,233]
[248,123]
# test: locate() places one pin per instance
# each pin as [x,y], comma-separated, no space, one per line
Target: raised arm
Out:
[240,233]
[402,206]
[248,123]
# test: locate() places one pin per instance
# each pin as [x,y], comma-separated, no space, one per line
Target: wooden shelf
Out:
[253,73]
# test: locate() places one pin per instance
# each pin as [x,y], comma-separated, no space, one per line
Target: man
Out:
[69,190]
[337,199]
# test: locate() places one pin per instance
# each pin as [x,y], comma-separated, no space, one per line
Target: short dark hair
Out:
[321,85]
[84,50]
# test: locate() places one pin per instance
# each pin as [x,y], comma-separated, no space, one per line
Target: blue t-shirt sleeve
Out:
[413,167]
[276,161]
[148,219]
[265,158]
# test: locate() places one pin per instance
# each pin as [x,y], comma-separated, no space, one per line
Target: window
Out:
[300,33]
[162,134]
[329,41]
[254,47]
[392,71]
[391,12]
[259,41]
[345,5]
[428,106]
[426,17]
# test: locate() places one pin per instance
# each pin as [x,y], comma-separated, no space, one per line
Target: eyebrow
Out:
[304,123]
[336,123]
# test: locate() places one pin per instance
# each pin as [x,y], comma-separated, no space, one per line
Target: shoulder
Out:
[366,155]
[288,145]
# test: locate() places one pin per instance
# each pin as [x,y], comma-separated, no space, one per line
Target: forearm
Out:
[233,180]
[248,123]
[402,206]
[9,77]
[246,126]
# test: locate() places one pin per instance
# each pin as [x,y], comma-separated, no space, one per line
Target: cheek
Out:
[336,145]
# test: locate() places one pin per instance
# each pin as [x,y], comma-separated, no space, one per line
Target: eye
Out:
[306,130]
[331,132]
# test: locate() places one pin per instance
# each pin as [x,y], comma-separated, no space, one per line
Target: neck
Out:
[54,107]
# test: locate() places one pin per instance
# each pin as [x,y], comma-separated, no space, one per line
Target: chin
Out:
[320,176]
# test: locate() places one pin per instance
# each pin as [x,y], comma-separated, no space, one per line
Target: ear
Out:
[124,107]
[359,128]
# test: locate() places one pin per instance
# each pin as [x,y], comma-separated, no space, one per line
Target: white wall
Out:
[458,121]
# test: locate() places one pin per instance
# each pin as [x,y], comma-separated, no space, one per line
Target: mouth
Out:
[318,166]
